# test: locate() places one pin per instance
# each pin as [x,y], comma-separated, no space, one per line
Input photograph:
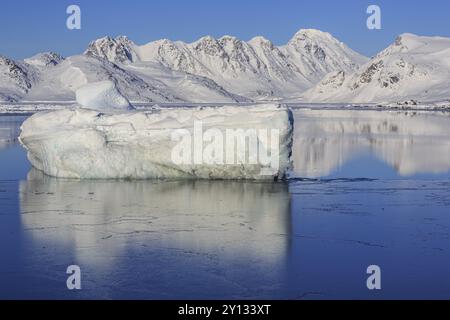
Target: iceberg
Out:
[102,95]
[227,142]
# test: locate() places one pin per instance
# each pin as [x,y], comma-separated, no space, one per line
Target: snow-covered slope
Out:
[188,87]
[16,79]
[61,81]
[413,67]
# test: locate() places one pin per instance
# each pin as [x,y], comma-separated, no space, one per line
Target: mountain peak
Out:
[258,40]
[119,49]
[45,59]
[208,45]
[228,38]
[109,39]
[412,43]
[405,39]
[122,38]
[304,34]
[206,39]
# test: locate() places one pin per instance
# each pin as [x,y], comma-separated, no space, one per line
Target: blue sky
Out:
[28,27]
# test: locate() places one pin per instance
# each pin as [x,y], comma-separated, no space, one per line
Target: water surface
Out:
[368,187]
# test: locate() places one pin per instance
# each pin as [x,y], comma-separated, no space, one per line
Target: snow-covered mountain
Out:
[312,67]
[256,69]
[208,70]
[316,53]
[413,67]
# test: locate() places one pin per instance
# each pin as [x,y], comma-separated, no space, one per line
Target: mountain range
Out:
[312,67]
[412,68]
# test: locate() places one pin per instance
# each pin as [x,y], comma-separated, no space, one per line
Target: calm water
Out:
[369,188]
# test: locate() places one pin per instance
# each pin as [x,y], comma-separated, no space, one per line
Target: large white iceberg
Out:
[229,142]
[102,95]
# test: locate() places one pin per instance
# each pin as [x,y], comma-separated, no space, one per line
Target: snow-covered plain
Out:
[82,143]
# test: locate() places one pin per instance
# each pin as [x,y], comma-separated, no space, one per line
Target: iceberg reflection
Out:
[105,224]
[410,142]
[9,130]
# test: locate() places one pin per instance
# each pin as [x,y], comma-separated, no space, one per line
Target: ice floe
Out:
[102,95]
[228,142]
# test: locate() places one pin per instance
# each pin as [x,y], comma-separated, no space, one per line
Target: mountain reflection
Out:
[9,130]
[410,142]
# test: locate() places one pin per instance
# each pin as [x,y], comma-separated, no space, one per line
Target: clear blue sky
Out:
[28,27]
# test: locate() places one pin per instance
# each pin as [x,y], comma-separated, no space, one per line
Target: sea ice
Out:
[102,95]
[201,142]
